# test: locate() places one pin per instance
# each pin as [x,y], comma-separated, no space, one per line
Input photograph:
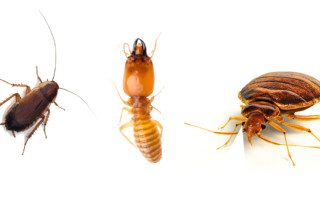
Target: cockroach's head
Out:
[49,89]
[254,125]
[138,79]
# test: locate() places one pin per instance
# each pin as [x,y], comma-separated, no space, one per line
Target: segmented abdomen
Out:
[147,138]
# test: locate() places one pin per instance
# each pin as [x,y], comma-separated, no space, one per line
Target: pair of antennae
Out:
[54,43]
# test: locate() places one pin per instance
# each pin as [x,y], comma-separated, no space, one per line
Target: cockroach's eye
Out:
[263,126]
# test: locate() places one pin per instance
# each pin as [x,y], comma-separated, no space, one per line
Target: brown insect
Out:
[271,97]
[138,83]
[32,109]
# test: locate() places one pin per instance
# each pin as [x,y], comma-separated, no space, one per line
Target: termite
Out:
[138,84]
[33,109]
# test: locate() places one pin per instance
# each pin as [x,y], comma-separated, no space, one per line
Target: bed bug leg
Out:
[212,131]
[124,126]
[280,129]
[231,136]
[303,117]
[32,132]
[231,118]
[300,128]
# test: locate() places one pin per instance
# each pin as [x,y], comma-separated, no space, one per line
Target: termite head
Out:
[254,125]
[138,79]
[49,90]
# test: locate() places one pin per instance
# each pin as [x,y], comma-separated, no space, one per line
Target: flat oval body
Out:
[288,90]
[24,113]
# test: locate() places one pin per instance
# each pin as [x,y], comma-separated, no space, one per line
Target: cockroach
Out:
[271,97]
[138,83]
[33,109]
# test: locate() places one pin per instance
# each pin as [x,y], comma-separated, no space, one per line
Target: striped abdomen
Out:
[147,136]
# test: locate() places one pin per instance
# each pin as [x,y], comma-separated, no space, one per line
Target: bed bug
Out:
[138,83]
[271,97]
[33,109]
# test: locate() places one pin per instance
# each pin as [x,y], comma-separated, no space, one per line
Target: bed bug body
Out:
[270,97]
[138,83]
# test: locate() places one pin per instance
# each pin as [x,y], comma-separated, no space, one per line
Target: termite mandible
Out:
[33,109]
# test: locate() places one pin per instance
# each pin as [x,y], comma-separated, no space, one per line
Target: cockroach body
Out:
[270,97]
[32,109]
[138,83]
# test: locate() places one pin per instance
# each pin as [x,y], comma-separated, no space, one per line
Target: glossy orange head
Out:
[138,79]
[254,125]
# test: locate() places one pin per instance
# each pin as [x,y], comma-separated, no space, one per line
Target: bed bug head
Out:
[254,125]
[138,79]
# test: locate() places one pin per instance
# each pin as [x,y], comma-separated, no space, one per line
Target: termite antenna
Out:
[54,43]
[69,91]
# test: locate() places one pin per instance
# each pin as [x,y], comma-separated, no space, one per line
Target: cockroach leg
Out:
[159,125]
[231,118]
[38,74]
[45,122]
[13,133]
[32,132]
[124,109]
[124,126]
[16,95]
[280,129]
[59,106]
[303,117]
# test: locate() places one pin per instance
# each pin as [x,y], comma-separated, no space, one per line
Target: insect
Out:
[32,109]
[138,83]
[271,97]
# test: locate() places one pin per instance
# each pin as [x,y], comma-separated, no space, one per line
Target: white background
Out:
[208,50]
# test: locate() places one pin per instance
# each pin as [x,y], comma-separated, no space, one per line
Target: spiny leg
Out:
[32,132]
[300,128]
[59,106]
[230,137]
[280,129]
[13,133]
[44,124]
[38,74]
[124,109]
[28,89]
[281,144]
[124,126]
[212,131]
[303,117]
[16,95]
[237,118]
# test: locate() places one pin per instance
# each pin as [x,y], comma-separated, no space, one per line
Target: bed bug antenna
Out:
[69,91]
[54,43]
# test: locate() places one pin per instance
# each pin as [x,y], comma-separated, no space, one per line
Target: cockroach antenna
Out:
[54,43]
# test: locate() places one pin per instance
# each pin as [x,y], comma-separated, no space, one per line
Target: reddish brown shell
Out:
[288,90]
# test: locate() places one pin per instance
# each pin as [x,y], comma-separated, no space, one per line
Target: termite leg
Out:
[124,126]
[124,109]
[303,117]
[230,137]
[16,95]
[59,106]
[32,132]
[124,102]
[231,118]
[156,109]
[280,129]
[45,123]
[159,125]
[38,74]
